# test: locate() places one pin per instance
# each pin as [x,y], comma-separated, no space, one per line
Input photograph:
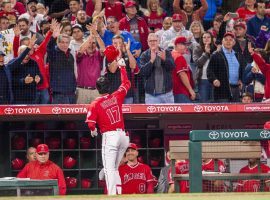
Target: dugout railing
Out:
[217,144]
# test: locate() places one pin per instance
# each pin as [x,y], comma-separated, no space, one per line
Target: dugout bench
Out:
[198,150]
[20,184]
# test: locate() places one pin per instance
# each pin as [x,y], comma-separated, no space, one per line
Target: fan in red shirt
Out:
[136,177]
[208,165]
[248,11]
[181,167]
[43,168]
[106,112]
[253,185]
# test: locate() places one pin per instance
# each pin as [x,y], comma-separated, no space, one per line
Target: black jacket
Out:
[218,68]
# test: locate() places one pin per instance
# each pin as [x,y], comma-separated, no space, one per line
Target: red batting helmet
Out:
[17,163]
[18,142]
[136,139]
[71,182]
[267,125]
[155,143]
[70,143]
[111,53]
[69,162]
[154,162]
[85,142]
[54,142]
[36,141]
[86,183]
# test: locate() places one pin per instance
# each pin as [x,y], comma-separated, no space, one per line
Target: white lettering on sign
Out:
[214,135]
[154,109]
[219,108]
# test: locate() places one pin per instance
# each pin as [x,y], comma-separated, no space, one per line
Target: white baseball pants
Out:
[114,145]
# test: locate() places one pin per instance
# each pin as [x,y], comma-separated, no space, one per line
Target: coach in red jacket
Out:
[43,168]
[134,24]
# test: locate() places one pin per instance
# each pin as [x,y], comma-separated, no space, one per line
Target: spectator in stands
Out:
[74,7]
[262,37]
[24,25]
[208,165]
[265,52]
[247,11]
[216,25]
[163,179]
[154,15]
[265,69]
[113,71]
[59,9]
[37,54]
[253,185]
[32,16]
[183,85]
[214,6]
[225,71]
[82,19]
[26,77]
[18,7]
[132,184]
[113,29]
[134,24]
[61,62]
[76,42]
[181,167]
[196,28]
[188,13]
[66,28]
[177,29]
[255,23]
[156,68]
[4,23]
[42,10]
[44,27]
[254,81]
[31,154]
[8,12]
[110,8]
[167,6]
[44,169]
[247,97]
[89,62]
[201,57]
[167,23]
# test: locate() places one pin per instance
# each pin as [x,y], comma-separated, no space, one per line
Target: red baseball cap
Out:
[177,17]
[42,148]
[133,146]
[130,4]
[267,125]
[231,34]
[240,24]
[181,40]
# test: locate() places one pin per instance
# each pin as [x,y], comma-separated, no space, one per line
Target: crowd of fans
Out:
[176,51]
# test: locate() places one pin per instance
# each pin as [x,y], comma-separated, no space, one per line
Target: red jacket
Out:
[142,26]
[38,56]
[49,170]
[265,69]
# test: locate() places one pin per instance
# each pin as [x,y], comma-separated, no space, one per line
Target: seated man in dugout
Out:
[208,165]
[44,169]
[253,185]
[31,154]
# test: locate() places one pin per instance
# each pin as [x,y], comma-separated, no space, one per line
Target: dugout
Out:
[150,125]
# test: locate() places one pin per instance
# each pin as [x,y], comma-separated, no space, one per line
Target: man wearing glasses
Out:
[43,168]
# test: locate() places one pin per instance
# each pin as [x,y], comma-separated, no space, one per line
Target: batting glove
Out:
[94,133]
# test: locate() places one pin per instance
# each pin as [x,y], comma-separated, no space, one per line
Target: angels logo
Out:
[9,111]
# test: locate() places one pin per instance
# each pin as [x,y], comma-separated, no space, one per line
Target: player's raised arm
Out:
[124,78]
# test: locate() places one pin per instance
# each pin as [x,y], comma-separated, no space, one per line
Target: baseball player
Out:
[31,154]
[181,167]
[106,112]
[208,165]
[136,177]
[253,185]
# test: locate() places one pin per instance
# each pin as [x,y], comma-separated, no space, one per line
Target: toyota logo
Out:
[9,111]
[56,110]
[214,135]
[265,134]
[151,109]
[198,108]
